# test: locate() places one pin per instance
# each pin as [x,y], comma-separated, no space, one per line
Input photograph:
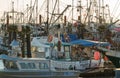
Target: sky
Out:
[20,5]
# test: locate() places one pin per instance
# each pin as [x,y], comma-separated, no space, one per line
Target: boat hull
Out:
[25,74]
[114,60]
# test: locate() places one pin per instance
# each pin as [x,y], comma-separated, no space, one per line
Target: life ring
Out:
[50,38]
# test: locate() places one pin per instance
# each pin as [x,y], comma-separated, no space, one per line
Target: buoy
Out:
[105,58]
[97,55]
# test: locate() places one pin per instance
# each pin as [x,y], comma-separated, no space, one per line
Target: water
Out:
[96,77]
[109,73]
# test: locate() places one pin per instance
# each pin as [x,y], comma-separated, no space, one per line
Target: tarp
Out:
[82,42]
[117,29]
[72,37]
[14,43]
[3,56]
[89,43]
[36,42]
[99,43]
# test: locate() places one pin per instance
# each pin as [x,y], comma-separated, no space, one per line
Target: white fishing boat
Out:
[67,56]
[12,67]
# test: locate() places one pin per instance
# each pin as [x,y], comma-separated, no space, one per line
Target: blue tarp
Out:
[14,43]
[89,43]
[71,36]
[99,43]
[82,42]
[3,56]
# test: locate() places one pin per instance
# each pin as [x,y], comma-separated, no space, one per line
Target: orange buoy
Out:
[97,55]
[105,58]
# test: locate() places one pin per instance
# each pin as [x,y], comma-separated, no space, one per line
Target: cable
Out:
[117,17]
[116,7]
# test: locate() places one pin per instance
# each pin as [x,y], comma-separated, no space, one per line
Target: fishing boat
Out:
[46,66]
[114,56]
[113,52]
[70,53]
[13,67]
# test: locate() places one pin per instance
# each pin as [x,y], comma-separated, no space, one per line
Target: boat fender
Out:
[96,55]
[50,38]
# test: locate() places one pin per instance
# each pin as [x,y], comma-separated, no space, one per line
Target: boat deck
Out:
[113,53]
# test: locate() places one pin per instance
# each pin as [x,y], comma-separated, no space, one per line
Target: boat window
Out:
[28,65]
[31,66]
[23,66]
[10,64]
[14,65]
[43,65]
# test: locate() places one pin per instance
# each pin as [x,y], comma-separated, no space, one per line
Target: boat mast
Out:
[36,11]
[110,19]
[13,11]
[103,10]
[54,6]
[72,10]
[100,19]
[89,4]
[79,21]
[61,13]
[47,17]
[89,11]
[58,9]
[80,11]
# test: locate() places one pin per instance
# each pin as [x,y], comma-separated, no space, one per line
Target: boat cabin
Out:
[33,64]
[11,67]
[24,63]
